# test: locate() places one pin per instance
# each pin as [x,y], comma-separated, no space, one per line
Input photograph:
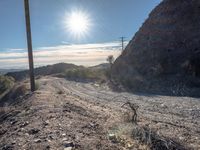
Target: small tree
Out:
[110,59]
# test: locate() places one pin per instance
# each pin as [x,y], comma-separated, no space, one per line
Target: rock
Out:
[47,147]
[37,141]
[97,85]
[50,137]
[165,52]
[68,148]
[13,121]
[3,131]
[129,144]
[64,139]
[24,124]
[64,134]
[46,123]
[33,131]
[163,106]
[68,144]
[8,147]
[112,137]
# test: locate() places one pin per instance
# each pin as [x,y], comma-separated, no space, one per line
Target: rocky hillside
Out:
[164,54]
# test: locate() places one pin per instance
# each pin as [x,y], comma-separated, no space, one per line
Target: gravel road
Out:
[63,111]
[177,117]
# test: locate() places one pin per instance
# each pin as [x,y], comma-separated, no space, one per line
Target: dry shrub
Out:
[156,142]
[127,116]
[122,134]
[5,83]
[19,91]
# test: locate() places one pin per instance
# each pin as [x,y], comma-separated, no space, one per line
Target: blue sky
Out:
[110,20]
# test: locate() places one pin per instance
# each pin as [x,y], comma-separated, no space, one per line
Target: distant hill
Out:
[164,55]
[4,71]
[101,66]
[46,70]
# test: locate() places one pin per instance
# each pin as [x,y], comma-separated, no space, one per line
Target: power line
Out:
[29,43]
[122,40]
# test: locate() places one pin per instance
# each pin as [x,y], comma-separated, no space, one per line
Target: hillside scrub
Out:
[5,83]
[88,74]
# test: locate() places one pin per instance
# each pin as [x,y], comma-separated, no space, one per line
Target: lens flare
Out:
[78,23]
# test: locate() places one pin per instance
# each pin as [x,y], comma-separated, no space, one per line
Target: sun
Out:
[78,23]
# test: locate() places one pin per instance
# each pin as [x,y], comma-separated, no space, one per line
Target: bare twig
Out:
[134,108]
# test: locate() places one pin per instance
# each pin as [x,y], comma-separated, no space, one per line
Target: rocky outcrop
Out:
[164,55]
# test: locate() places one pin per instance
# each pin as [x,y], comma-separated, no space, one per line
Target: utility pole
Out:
[122,40]
[29,43]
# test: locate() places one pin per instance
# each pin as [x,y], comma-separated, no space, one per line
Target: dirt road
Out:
[62,113]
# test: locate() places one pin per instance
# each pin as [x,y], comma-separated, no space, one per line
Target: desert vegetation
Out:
[110,60]
[5,83]
[87,74]
[131,132]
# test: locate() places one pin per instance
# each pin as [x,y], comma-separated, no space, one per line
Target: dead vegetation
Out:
[146,136]
[134,109]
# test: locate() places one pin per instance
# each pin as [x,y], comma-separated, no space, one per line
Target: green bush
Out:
[86,74]
[5,83]
[37,85]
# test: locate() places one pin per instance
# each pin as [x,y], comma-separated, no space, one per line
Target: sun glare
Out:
[78,23]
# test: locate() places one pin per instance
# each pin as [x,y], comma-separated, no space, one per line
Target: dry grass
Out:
[121,133]
[5,83]
[154,141]
[141,137]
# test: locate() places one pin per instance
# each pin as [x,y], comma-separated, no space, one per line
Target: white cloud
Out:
[15,49]
[83,54]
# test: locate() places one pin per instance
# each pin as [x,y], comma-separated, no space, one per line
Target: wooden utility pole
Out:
[29,43]
[122,40]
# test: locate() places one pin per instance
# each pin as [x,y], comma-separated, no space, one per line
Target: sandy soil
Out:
[64,114]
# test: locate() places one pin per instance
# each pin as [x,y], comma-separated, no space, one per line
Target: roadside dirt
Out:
[68,115]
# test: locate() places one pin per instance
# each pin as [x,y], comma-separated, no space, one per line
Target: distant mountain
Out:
[164,54]
[4,71]
[46,70]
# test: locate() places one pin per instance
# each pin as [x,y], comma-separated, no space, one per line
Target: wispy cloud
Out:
[83,54]
[15,49]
